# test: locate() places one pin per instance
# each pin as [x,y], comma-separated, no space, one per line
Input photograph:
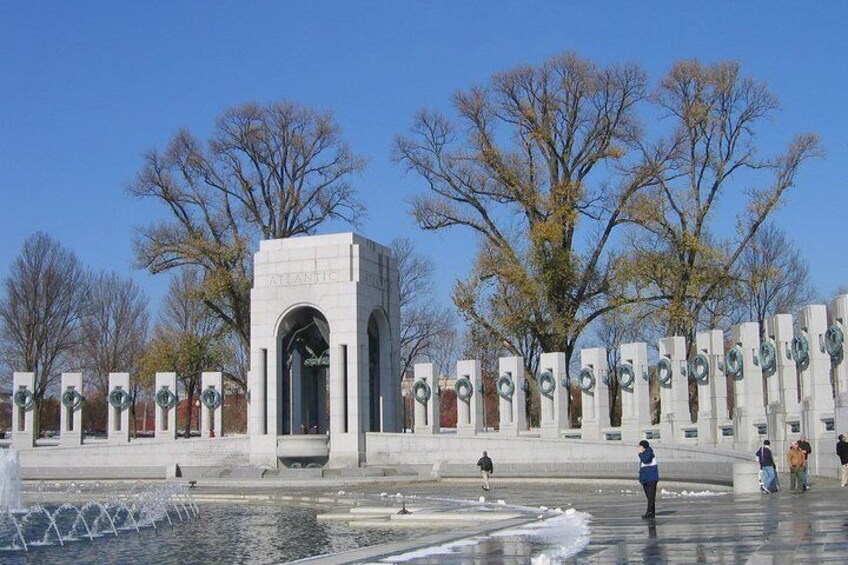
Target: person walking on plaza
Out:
[767,467]
[649,476]
[486,469]
[796,461]
[842,452]
[807,449]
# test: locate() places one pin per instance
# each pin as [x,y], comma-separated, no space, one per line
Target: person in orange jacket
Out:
[796,458]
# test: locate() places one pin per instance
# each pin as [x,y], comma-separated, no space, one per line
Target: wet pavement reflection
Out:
[774,528]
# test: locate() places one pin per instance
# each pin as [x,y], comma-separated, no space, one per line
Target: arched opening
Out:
[373,375]
[379,373]
[303,394]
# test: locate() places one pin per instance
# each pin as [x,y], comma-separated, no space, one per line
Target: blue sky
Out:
[86,87]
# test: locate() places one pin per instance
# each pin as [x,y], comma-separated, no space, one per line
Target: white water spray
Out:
[10,480]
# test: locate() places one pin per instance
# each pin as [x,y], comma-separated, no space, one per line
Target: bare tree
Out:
[444,351]
[115,330]
[715,114]
[188,339]
[425,328]
[773,276]
[41,311]
[517,172]
[237,363]
[272,171]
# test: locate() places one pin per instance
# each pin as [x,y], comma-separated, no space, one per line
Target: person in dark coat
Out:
[486,469]
[842,452]
[807,449]
[649,476]
[768,468]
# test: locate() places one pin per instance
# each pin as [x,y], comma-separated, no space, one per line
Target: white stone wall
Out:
[229,451]
[413,449]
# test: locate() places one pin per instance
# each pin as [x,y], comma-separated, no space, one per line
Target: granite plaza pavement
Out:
[778,528]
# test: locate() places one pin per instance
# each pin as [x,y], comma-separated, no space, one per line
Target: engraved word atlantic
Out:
[312,277]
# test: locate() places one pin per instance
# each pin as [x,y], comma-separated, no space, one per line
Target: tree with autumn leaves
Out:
[579,211]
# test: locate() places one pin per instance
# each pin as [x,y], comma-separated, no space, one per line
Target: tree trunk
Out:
[190,411]
[133,420]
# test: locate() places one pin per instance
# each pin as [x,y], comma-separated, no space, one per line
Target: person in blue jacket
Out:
[649,476]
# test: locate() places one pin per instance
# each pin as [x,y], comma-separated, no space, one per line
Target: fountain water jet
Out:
[143,506]
[10,480]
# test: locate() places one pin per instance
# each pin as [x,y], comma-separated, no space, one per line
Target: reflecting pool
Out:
[221,534]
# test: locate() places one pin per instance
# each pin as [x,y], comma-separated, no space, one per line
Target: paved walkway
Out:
[776,528]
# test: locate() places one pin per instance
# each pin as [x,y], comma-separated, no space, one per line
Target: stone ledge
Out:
[93,473]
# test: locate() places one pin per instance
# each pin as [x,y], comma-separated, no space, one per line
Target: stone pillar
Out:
[635,393]
[258,404]
[784,409]
[595,392]
[745,477]
[724,417]
[390,389]
[70,410]
[357,390]
[511,407]
[426,405]
[469,412]
[24,418]
[673,379]
[344,430]
[263,446]
[211,404]
[712,391]
[839,328]
[749,414]
[338,400]
[782,331]
[257,378]
[554,404]
[166,418]
[817,404]
[119,417]
[347,450]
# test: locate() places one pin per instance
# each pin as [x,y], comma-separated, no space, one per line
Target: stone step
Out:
[343,517]
[455,517]
[379,510]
